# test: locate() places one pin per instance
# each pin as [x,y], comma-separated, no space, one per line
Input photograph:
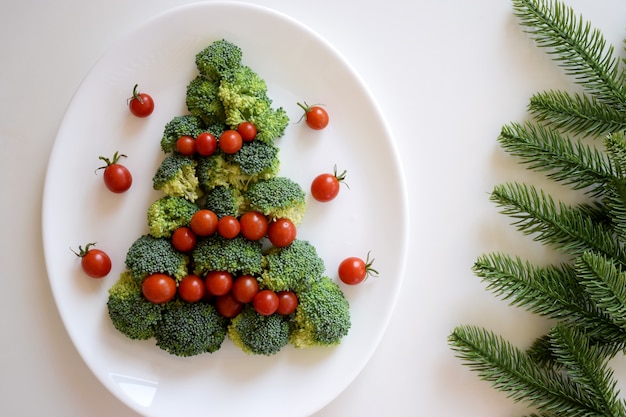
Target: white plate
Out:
[370,216]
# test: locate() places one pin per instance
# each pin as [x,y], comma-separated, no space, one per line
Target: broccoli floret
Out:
[270,124]
[257,334]
[150,255]
[189,329]
[292,267]
[185,125]
[176,176]
[203,102]
[219,59]
[168,213]
[214,171]
[278,197]
[322,317]
[257,160]
[224,201]
[129,311]
[237,256]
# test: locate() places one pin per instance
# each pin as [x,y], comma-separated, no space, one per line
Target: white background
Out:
[447,76]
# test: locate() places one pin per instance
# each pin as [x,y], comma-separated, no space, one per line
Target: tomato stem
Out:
[136,94]
[368,267]
[114,160]
[83,251]
[341,177]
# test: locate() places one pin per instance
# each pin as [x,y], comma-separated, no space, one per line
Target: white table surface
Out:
[447,76]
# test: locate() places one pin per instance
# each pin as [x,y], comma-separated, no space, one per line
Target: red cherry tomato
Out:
[203,222]
[228,306]
[315,116]
[206,144]
[247,130]
[158,288]
[228,227]
[95,262]
[265,302]
[253,225]
[117,177]
[287,302]
[325,187]
[245,287]
[218,282]
[140,104]
[191,288]
[183,239]
[354,270]
[281,232]
[230,141]
[186,145]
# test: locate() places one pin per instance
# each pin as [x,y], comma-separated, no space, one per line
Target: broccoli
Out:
[278,197]
[293,267]
[129,311]
[168,213]
[224,201]
[185,125]
[176,176]
[257,160]
[189,329]
[219,59]
[257,334]
[214,171]
[150,255]
[203,102]
[237,255]
[322,317]
[244,97]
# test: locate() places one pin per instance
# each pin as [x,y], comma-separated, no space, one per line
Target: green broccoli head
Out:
[239,256]
[189,329]
[257,160]
[150,255]
[219,59]
[292,267]
[259,335]
[176,176]
[270,124]
[215,170]
[322,317]
[185,125]
[203,102]
[129,311]
[278,197]
[224,201]
[168,213]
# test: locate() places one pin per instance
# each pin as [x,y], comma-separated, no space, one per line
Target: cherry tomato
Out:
[186,145]
[95,262]
[228,227]
[230,141]
[247,130]
[218,282]
[228,306]
[117,177]
[203,222]
[265,302]
[325,187]
[183,239]
[315,116]
[287,302]
[253,225]
[245,288]
[354,270]
[191,288]
[140,104]
[158,288]
[206,144]
[281,232]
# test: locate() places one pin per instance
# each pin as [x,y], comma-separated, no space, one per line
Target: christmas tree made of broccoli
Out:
[221,258]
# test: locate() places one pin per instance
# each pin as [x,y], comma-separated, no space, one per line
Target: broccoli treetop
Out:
[219,59]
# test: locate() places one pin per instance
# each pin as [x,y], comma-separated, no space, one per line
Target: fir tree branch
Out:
[605,282]
[615,144]
[578,48]
[566,228]
[511,371]
[544,149]
[576,113]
